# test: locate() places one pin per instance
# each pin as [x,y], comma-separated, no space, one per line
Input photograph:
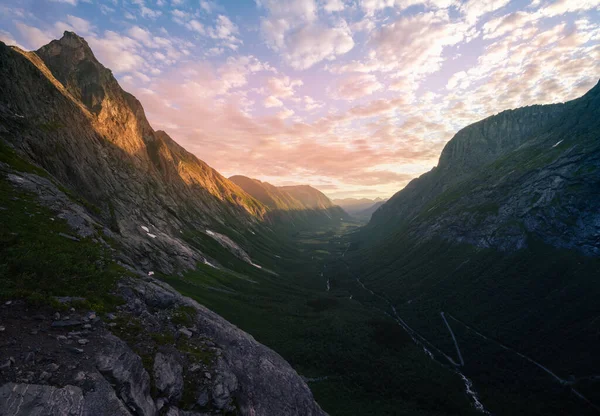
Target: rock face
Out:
[530,172]
[168,376]
[218,369]
[36,400]
[63,110]
[124,369]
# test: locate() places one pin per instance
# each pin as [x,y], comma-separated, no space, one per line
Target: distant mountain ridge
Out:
[296,203]
[360,208]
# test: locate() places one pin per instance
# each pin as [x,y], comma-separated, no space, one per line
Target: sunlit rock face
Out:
[66,112]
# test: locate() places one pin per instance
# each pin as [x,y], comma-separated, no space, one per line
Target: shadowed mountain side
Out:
[503,237]
[529,171]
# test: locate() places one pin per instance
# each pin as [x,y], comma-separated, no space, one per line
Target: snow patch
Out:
[150,273]
[557,143]
[151,235]
[256,265]
[145,228]
[208,263]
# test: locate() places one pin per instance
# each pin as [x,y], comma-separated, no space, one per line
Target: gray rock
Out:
[262,382]
[5,365]
[36,400]
[124,369]
[65,323]
[102,400]
[69,237]
[202,398]
[186,332]
[168,376]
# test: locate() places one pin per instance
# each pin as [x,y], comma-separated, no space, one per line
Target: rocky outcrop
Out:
[37,400]
[136,361]
[124,369]
[530,172]
[168,376]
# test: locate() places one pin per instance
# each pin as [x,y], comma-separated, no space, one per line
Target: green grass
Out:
[371,365]
[38,264]
[541,301]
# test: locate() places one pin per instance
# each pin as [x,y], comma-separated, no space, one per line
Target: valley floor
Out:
[364,354]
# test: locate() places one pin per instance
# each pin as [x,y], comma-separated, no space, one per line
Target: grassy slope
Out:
[373,368]
[37,263]
[540,301]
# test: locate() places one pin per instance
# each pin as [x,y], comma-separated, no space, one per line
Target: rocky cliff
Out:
[530,172]
[93,203]
[61,109]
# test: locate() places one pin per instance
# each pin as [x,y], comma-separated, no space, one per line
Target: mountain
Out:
[522,173]
[491,259]
[361,208]
[69,115]
[355,205]
[302,204]
[93,204]
[367,213]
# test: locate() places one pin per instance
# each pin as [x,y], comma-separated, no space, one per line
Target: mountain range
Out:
[473,290]
[361,208]
[297,204]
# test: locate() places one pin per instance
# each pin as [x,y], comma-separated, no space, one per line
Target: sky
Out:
[355,97]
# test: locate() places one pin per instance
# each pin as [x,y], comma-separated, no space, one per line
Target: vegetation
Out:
[361,361]
[38,260]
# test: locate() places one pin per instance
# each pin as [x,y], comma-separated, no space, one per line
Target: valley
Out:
[319,309]
[356,359]
[158,285]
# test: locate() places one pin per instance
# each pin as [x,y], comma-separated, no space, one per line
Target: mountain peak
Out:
[71,46]
[72,62]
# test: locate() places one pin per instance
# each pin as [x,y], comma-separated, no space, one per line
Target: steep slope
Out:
[64,111]
[302,205]
[493,257]
[525,171]
[93,203]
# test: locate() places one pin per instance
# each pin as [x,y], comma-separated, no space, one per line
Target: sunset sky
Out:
[355,97]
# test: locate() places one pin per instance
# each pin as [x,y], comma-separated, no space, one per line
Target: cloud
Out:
[34,38]
[283,87]
[356,86]
[292,28]
[272,101]
[285,113]
[475,9]
[117,52]
[313,44]
[331,6]
[8,39]
[71,2]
